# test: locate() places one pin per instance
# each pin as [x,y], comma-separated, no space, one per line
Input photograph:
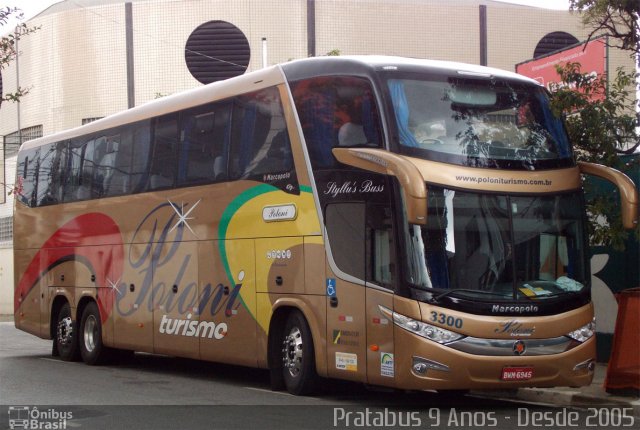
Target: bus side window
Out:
[27,176]
[85,186]
[203,148]
[345,224]
[46,167]
[163,161]
[260,148]
[140,134]
[116,165]
[336,111]
[380,248]
[112,177]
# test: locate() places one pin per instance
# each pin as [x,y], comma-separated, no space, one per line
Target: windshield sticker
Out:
[531,291]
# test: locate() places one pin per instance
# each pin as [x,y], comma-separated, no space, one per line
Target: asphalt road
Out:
[158,392]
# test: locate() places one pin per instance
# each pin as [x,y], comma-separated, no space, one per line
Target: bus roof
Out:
[319,66]
[175,102]
[365,65]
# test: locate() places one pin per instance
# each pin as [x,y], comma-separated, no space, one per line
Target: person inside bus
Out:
[352,132]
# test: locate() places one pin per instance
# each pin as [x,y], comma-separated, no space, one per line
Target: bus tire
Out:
[298,356]
[66,338]
[92,349]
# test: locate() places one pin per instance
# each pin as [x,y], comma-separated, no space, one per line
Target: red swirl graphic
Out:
[93,239]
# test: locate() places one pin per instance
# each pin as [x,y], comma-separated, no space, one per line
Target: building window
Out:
[88,120]
[29,133]
[6,231]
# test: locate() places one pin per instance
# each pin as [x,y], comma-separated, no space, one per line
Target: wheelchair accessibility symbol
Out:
[331,287]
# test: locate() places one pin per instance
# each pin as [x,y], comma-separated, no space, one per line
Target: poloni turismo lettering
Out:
[192,328]
[161,246]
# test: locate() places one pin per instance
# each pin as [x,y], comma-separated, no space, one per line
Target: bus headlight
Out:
[420,328]
[584,333]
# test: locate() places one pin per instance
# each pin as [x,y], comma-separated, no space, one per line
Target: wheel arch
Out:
[57,304]
[282,308]
[84,301]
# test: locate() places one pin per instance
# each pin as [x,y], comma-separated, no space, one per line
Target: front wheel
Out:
[298,356]
[66,340]
[92,349]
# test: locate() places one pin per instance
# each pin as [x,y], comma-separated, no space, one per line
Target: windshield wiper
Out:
[437,298]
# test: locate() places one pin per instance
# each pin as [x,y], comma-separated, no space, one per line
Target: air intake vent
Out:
[217,50]
[553,42]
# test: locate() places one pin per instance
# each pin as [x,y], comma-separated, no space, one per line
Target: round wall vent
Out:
[215,51]
[553,42]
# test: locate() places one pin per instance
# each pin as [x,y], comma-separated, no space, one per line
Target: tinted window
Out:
[112,166]
[336,111]
[163,162]
[261,149]
[346,230]
[381,261]
[27,175]
[139,137]
[203,154]
[478,123]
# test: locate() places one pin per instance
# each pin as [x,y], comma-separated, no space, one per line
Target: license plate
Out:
[517,373]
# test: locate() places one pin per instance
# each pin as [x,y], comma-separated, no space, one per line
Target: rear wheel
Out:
[298,356]
[66,340]
[92,349]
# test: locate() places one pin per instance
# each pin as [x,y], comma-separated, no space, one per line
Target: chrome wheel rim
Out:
[65,331]
[292,352]
[90,333]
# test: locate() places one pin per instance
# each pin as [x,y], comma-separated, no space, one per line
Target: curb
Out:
[564,397]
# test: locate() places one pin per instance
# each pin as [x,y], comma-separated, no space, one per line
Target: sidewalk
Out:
[593,395]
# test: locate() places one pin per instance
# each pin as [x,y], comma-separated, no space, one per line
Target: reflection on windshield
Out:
[515,247]
[474,122]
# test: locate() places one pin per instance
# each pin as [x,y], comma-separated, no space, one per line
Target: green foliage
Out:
[8,46]
[619,19]
[601,126]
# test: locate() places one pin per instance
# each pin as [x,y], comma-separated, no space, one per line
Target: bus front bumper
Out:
[425,365]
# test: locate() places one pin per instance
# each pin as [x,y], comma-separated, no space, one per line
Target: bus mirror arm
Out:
[384,162]
[628,191]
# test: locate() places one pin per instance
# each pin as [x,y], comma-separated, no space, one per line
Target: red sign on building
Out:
[592,57]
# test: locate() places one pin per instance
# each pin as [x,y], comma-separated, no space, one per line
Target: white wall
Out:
[6,281]
[6,248]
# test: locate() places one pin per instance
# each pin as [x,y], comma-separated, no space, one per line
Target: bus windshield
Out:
[480,123]
[497,246]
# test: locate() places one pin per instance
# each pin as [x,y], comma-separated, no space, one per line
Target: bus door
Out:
[380,276]
[346,320]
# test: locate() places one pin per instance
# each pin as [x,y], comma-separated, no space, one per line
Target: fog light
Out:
[422,365]
[589,364]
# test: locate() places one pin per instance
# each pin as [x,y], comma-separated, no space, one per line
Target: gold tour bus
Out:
[397,222]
